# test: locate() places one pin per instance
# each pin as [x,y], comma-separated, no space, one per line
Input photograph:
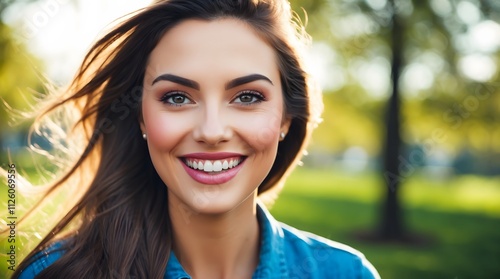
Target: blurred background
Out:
[406,164]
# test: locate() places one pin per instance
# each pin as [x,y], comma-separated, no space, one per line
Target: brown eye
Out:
[178,99]
[246,98]
[249,97]
[175,98]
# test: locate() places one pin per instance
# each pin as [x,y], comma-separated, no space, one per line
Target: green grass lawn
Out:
[464,229]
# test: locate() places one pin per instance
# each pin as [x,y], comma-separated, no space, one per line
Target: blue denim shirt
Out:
[285,252]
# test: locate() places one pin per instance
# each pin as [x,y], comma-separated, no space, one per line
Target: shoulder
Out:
[42,260]
[292,253]
[312,256]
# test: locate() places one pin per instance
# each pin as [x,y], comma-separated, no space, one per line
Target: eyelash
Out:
[254,94]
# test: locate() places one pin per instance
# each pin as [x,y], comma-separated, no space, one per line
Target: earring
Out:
[144,136]
[282,135]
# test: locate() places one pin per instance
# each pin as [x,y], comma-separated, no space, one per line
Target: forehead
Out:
[219,46]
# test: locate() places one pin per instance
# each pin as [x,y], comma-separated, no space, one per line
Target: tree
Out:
[392,222]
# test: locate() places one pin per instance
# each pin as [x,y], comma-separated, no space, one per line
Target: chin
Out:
[220,204]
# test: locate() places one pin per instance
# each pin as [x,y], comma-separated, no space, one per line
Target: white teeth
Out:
[217,166]
[212,166]
[208,167]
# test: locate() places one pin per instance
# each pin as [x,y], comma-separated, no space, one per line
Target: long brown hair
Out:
[123,228]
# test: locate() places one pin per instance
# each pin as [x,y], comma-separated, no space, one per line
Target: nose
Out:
[213,126]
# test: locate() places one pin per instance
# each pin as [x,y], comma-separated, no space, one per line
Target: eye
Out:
[249,97]
[176,98]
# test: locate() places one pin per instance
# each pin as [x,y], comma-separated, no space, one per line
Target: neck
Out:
[222,245]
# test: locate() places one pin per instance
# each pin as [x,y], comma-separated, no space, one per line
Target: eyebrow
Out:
[193,84]
[246,79]
[177,79]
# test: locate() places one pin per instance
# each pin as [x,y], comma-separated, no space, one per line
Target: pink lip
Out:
[210,178]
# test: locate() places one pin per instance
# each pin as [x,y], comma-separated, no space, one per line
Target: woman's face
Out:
[212,112]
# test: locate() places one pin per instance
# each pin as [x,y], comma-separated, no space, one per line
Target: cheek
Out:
[164,130]
[262,130]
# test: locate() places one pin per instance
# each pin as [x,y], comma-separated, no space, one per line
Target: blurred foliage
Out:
[19,78]
[438,97]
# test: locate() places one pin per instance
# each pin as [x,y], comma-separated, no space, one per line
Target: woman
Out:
[191,110]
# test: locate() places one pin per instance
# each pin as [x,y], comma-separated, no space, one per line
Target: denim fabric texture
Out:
[285,252]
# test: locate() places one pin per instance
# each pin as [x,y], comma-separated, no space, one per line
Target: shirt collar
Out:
[272,263]
[174,269]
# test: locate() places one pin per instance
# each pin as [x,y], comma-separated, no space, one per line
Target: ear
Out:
[285,124]
[143,127]
[141,122]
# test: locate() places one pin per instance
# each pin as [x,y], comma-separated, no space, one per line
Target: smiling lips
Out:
[212,168]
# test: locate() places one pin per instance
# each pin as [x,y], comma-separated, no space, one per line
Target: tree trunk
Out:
[392,227]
